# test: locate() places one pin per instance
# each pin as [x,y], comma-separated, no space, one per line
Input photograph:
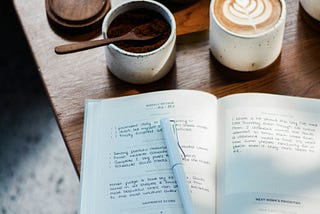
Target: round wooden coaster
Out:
[74,15]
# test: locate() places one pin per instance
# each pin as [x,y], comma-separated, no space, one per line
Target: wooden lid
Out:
[75,15]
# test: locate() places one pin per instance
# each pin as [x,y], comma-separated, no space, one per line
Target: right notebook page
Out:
[269,154]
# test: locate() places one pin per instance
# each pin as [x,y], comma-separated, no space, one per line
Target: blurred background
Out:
[36,173]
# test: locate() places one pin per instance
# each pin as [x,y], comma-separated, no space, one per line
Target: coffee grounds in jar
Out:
[150,23]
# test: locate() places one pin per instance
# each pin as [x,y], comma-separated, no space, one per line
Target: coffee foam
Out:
[247,17]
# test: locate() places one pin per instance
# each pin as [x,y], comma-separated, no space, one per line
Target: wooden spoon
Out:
[131,35]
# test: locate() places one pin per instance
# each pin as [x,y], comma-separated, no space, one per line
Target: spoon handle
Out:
[80,46]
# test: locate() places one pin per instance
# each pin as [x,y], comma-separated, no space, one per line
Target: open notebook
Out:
[245,153]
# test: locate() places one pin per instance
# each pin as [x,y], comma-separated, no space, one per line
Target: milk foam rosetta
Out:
[247,17]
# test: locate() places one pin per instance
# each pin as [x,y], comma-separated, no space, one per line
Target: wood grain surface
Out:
[191,18]
[70,79]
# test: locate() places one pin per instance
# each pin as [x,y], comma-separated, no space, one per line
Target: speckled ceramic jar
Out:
[141,68]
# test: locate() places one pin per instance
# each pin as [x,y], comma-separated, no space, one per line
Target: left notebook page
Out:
[125,167]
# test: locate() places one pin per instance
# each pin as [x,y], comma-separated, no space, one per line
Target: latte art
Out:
[247,17]
[244,12]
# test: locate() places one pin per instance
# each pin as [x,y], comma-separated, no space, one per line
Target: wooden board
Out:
[70,79]
[192,18]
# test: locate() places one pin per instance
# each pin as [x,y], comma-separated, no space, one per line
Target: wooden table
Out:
[70,79]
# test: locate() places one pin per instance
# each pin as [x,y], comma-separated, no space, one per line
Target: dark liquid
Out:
[125,22]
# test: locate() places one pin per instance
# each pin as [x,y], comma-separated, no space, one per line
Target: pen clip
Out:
[174,128]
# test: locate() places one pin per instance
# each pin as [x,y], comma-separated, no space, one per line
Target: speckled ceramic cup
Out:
[141,68]
[246,51]
[312,7]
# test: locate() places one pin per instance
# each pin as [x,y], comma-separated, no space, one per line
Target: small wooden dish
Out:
[73,16]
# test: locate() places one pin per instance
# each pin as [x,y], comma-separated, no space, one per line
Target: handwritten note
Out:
[274,132]
[138,157]
[142,186]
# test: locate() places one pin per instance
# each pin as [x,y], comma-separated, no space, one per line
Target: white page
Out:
[129,160]
[270,160]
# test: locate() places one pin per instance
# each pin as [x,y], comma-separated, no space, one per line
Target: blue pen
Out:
[170,137]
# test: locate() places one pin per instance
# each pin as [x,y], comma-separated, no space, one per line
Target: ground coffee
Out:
[125,22]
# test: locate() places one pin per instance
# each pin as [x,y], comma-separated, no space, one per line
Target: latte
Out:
[247,17]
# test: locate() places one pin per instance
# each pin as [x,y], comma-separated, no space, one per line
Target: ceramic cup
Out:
[140,68]
[312,7]
[246,52]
